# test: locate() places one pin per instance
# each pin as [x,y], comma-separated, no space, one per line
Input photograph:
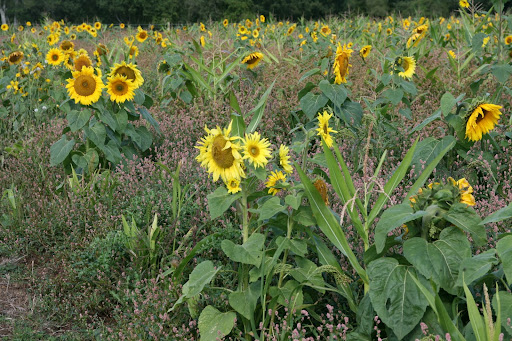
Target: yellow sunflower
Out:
[5,27]
[255,33]
[85,87]
[452,54]
[325,30]
[225,23]
[272,180]
[341,63]
[482,120]
[130,71]
[119,89]
[233,186]
[55,57]
[15,58]
[256,149]
[323,128]
[409,65]
[219,154]
[82,61]
[365,51]
[121,25]
[142,35]
[252,60]
[284,159]
[464,3]
[508,40]
[66,45]
[97,25]
[262,18]
[133,52]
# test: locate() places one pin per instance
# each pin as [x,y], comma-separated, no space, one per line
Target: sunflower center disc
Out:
[55,57]
[126,72]
[325,129]
[480,116]
[85,85]
[120,87]
[222,157]
[254,151]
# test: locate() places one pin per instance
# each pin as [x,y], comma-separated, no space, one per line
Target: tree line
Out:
[137,12]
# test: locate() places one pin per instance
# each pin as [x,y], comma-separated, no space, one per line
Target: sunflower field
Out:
[340,179]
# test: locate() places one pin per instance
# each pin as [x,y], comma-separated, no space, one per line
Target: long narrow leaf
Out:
[258,110]
[198,78]
[475,318]
[230,68]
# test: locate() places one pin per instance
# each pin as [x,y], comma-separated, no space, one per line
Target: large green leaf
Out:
[289,295]
[96,133]
[306,274]
[504,249]
[439,261]
[258,110]
[396,298]
[499,215]
[506,309]
[202,274]
[477,266]
[465,217]
[447,103]
[238,126]
[393,217]
[220,200]
[244,302]
[78,118]
[60,150]
[249,252]
[214,325]
[429,149]
[335,92]
[311,104]
[477,322]
[271,207]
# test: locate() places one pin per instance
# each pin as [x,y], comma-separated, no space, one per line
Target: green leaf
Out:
[249,252]
[289,295]
[475,318]
[408,87]
[293,200]
[439,261]
[107,118]
[77,119]
[220,200]
[214,325]
[477,266]
[394,95]
[506,308]
[306,274]
[434,117]
[121,118]
[466,218]
[304,216]
[202,274]
[148,117]
[335,92]
[60,150]
[312,72]
[233,102]
[429,149]
[270,208]
[502,72]
[145,138]
[96,133]
[238,126]
[393,217]
[396,298]
[244,302]
[258,110]
[139,97]
[501,214]
[111,152]
[447,103]
[311,104]
[297,246]
[504,249]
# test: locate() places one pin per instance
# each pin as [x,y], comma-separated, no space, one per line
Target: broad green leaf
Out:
[196,77]
[244,302]
[435,116]
[502,72]
[78,118]
[328,224]
[440,260]
[214,325]
[202,274]
[315,71]
[60,150]
[148,117]
[396,298]
[505,307]
[428,150]
[501,214]
[121,118]
[258,110]
[297,246]
[466,218]
[365,315]
[238,126]
[146,139]
[335,92]
[304,216]
[106,117]
[289,295]
[220,200]
[96,133]
[473,268]
[409,87]
[306,273]
[393,217]
[447,103]
[504,249]
[111,152]
[394,95]
[270,208]
[233,102]
[293,200]
[249,252]
[311,104]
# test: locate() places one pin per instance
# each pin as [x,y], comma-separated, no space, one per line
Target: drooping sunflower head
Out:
[119,89]
[101,50]
[274,179]
[85,87]
[219,154]
[141,36]
[66,45]
[284,159]
[481,120]
[133,51]
[323,128]
[15,57]
[256,149]
[55,57]
[321,187]
[253,59]
[365,51]
[408,64]
[130,71]
[508,40]
[82,61]
[341,63]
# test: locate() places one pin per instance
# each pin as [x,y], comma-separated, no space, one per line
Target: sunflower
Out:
[219,154]
[252,60]
[66,45]
[262,18]
[255,33]
[119,89]
[15,57]
[142,35]
[242,30]
[202,41]
[323,128]
[225,23]
[52,39]
[233,186]
[82,61]
[55,57]
[133,52]
[482,120]
[365,51]
[284,159]
[321,187]
[130,71]
[508,40]
[5,27]
[97,25]
[291,29]
[325,30]
[256,149]
[452,54]
[408,64]
[85,87]
[464,3]
[101,50]
[341,63]
[121,25]
[272,181]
